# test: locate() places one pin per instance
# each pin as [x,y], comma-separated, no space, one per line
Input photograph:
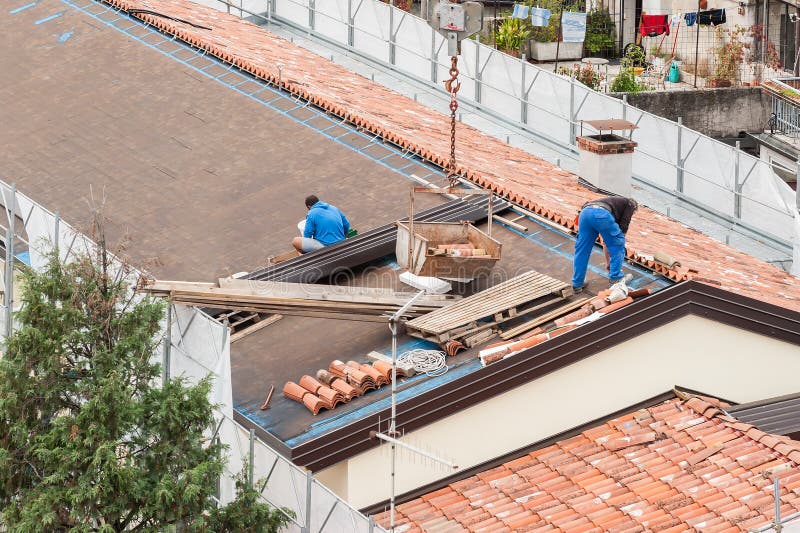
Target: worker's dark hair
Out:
[633,203]
[311,200]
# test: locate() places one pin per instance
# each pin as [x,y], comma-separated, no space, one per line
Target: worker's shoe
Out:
[578,290]
[625,279]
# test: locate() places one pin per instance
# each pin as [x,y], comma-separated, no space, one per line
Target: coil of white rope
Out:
[432,362]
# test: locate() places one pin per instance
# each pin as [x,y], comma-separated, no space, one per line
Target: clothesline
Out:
[573,23]
[655,25]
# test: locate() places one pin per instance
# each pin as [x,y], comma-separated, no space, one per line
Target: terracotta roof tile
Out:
[579,484]
[511,172]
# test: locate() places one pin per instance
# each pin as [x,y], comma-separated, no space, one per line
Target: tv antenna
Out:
[392,435]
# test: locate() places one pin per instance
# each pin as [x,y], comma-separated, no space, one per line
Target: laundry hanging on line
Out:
[713,17]
[654,25]
[573,26]
[520,11]
[691,18]
[540,16]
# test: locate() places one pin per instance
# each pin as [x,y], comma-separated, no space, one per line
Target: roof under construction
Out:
[206,167]
[218,186]
[534,184]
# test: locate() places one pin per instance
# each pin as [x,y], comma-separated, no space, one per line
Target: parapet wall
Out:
[720,112]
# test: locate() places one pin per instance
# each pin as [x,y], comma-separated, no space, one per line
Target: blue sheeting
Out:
[413,386]
[25,257]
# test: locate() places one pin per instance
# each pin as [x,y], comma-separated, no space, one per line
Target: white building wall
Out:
[692,352]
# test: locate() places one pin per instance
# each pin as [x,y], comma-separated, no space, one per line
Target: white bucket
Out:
[301,226]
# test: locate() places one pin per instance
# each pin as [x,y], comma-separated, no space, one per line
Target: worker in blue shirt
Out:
[325,225]
[608,217]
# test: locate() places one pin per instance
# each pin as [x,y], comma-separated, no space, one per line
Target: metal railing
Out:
[739,189]
[785,94]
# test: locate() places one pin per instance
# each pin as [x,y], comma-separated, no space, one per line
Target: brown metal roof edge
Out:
[519,452]
[778,416]
[763,403]
[683,299]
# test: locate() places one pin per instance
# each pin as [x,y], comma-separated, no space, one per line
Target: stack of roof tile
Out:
[329,396]
[512,173]
[348,391]
[676,466]
[297,393]
[340,383]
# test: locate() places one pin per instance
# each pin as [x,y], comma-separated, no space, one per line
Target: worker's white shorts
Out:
[310,245]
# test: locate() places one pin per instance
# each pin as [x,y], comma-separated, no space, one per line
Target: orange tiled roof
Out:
[513,173]
[672,467]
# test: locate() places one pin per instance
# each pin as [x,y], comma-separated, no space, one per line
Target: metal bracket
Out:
[456,21]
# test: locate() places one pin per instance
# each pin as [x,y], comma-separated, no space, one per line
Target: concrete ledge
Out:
[721,112]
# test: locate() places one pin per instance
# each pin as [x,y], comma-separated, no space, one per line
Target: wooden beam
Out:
[542,319]
[511,223]
[457,191]
[261,324]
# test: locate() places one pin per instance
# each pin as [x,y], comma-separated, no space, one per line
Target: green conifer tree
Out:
[90,440]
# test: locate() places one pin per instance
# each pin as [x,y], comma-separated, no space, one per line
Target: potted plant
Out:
[625,81]
[543,43]
[599,31]
[728,56]
[511,35]
[772,59]
[586,74]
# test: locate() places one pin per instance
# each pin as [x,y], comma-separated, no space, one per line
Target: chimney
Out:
[606,159]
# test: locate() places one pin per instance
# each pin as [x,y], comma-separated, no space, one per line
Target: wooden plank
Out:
[297,294]
[160,286]
[479,338]
[242,320]
[311,313]
[241,296]
[511,223]
[538,321]
[269,305]
[261,324]
[457,191]
[285,256]
[310,291]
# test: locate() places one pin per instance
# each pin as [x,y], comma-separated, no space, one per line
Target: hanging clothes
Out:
[540,16]
[675,19]
[520,11]
[654,25]
[573,26]
[691,18]
[713,17]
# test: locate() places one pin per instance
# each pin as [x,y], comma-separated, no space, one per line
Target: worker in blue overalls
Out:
[608,217]
[325,225]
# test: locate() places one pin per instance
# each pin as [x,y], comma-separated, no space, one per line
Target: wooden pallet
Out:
[518,296]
